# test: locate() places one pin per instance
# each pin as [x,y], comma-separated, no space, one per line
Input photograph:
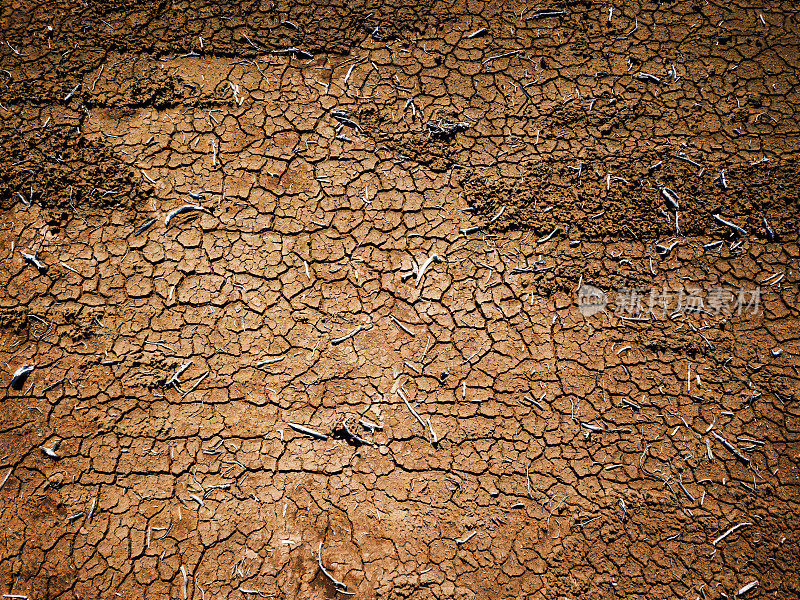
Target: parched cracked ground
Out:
[395,209]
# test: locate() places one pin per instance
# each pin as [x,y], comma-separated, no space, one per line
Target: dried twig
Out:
[309,432]
[338,584]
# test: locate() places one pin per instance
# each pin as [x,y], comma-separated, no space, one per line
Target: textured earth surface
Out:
[450,315]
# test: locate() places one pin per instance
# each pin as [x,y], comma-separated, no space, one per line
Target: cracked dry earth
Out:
[359,367]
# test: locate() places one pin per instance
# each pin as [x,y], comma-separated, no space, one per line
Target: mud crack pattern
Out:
[300,300]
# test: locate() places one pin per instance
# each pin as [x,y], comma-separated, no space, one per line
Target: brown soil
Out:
[484,437]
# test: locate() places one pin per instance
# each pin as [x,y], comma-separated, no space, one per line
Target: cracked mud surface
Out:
[483,438]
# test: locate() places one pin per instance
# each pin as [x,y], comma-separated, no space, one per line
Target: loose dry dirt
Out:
[484,437]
